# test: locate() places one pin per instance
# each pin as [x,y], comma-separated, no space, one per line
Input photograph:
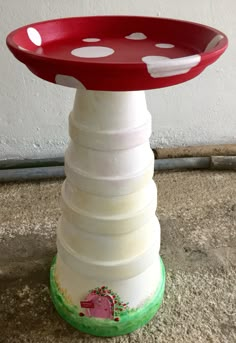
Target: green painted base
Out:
[129,321]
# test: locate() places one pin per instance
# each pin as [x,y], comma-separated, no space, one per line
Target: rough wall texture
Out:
[33,113]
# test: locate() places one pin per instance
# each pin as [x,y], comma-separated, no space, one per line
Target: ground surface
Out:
[197,211]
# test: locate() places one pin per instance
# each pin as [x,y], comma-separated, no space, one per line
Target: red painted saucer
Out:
[117,53]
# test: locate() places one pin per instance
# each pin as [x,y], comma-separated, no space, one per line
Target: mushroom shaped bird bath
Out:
[108,278]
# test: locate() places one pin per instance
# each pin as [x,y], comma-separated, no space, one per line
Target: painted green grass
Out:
[129,321]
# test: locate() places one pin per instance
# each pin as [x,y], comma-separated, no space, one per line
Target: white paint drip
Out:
[136,36]
[34,36]
[160,66]
[68,81]
[92,52]
[164,45]
[214,42]
[91,40]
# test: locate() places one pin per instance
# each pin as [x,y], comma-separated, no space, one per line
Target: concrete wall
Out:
[33,113]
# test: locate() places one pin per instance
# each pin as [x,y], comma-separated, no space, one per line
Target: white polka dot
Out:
[34,36]
[91,40]
[154,59]
[92,52]
[68,81]
[214,42]
[137,36]
[164,45]
[161,66]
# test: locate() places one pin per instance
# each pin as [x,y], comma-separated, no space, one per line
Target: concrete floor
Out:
[197,211]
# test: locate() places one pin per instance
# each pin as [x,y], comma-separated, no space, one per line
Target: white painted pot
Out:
[108,233]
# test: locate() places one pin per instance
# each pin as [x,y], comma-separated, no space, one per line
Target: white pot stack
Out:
[108,233]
